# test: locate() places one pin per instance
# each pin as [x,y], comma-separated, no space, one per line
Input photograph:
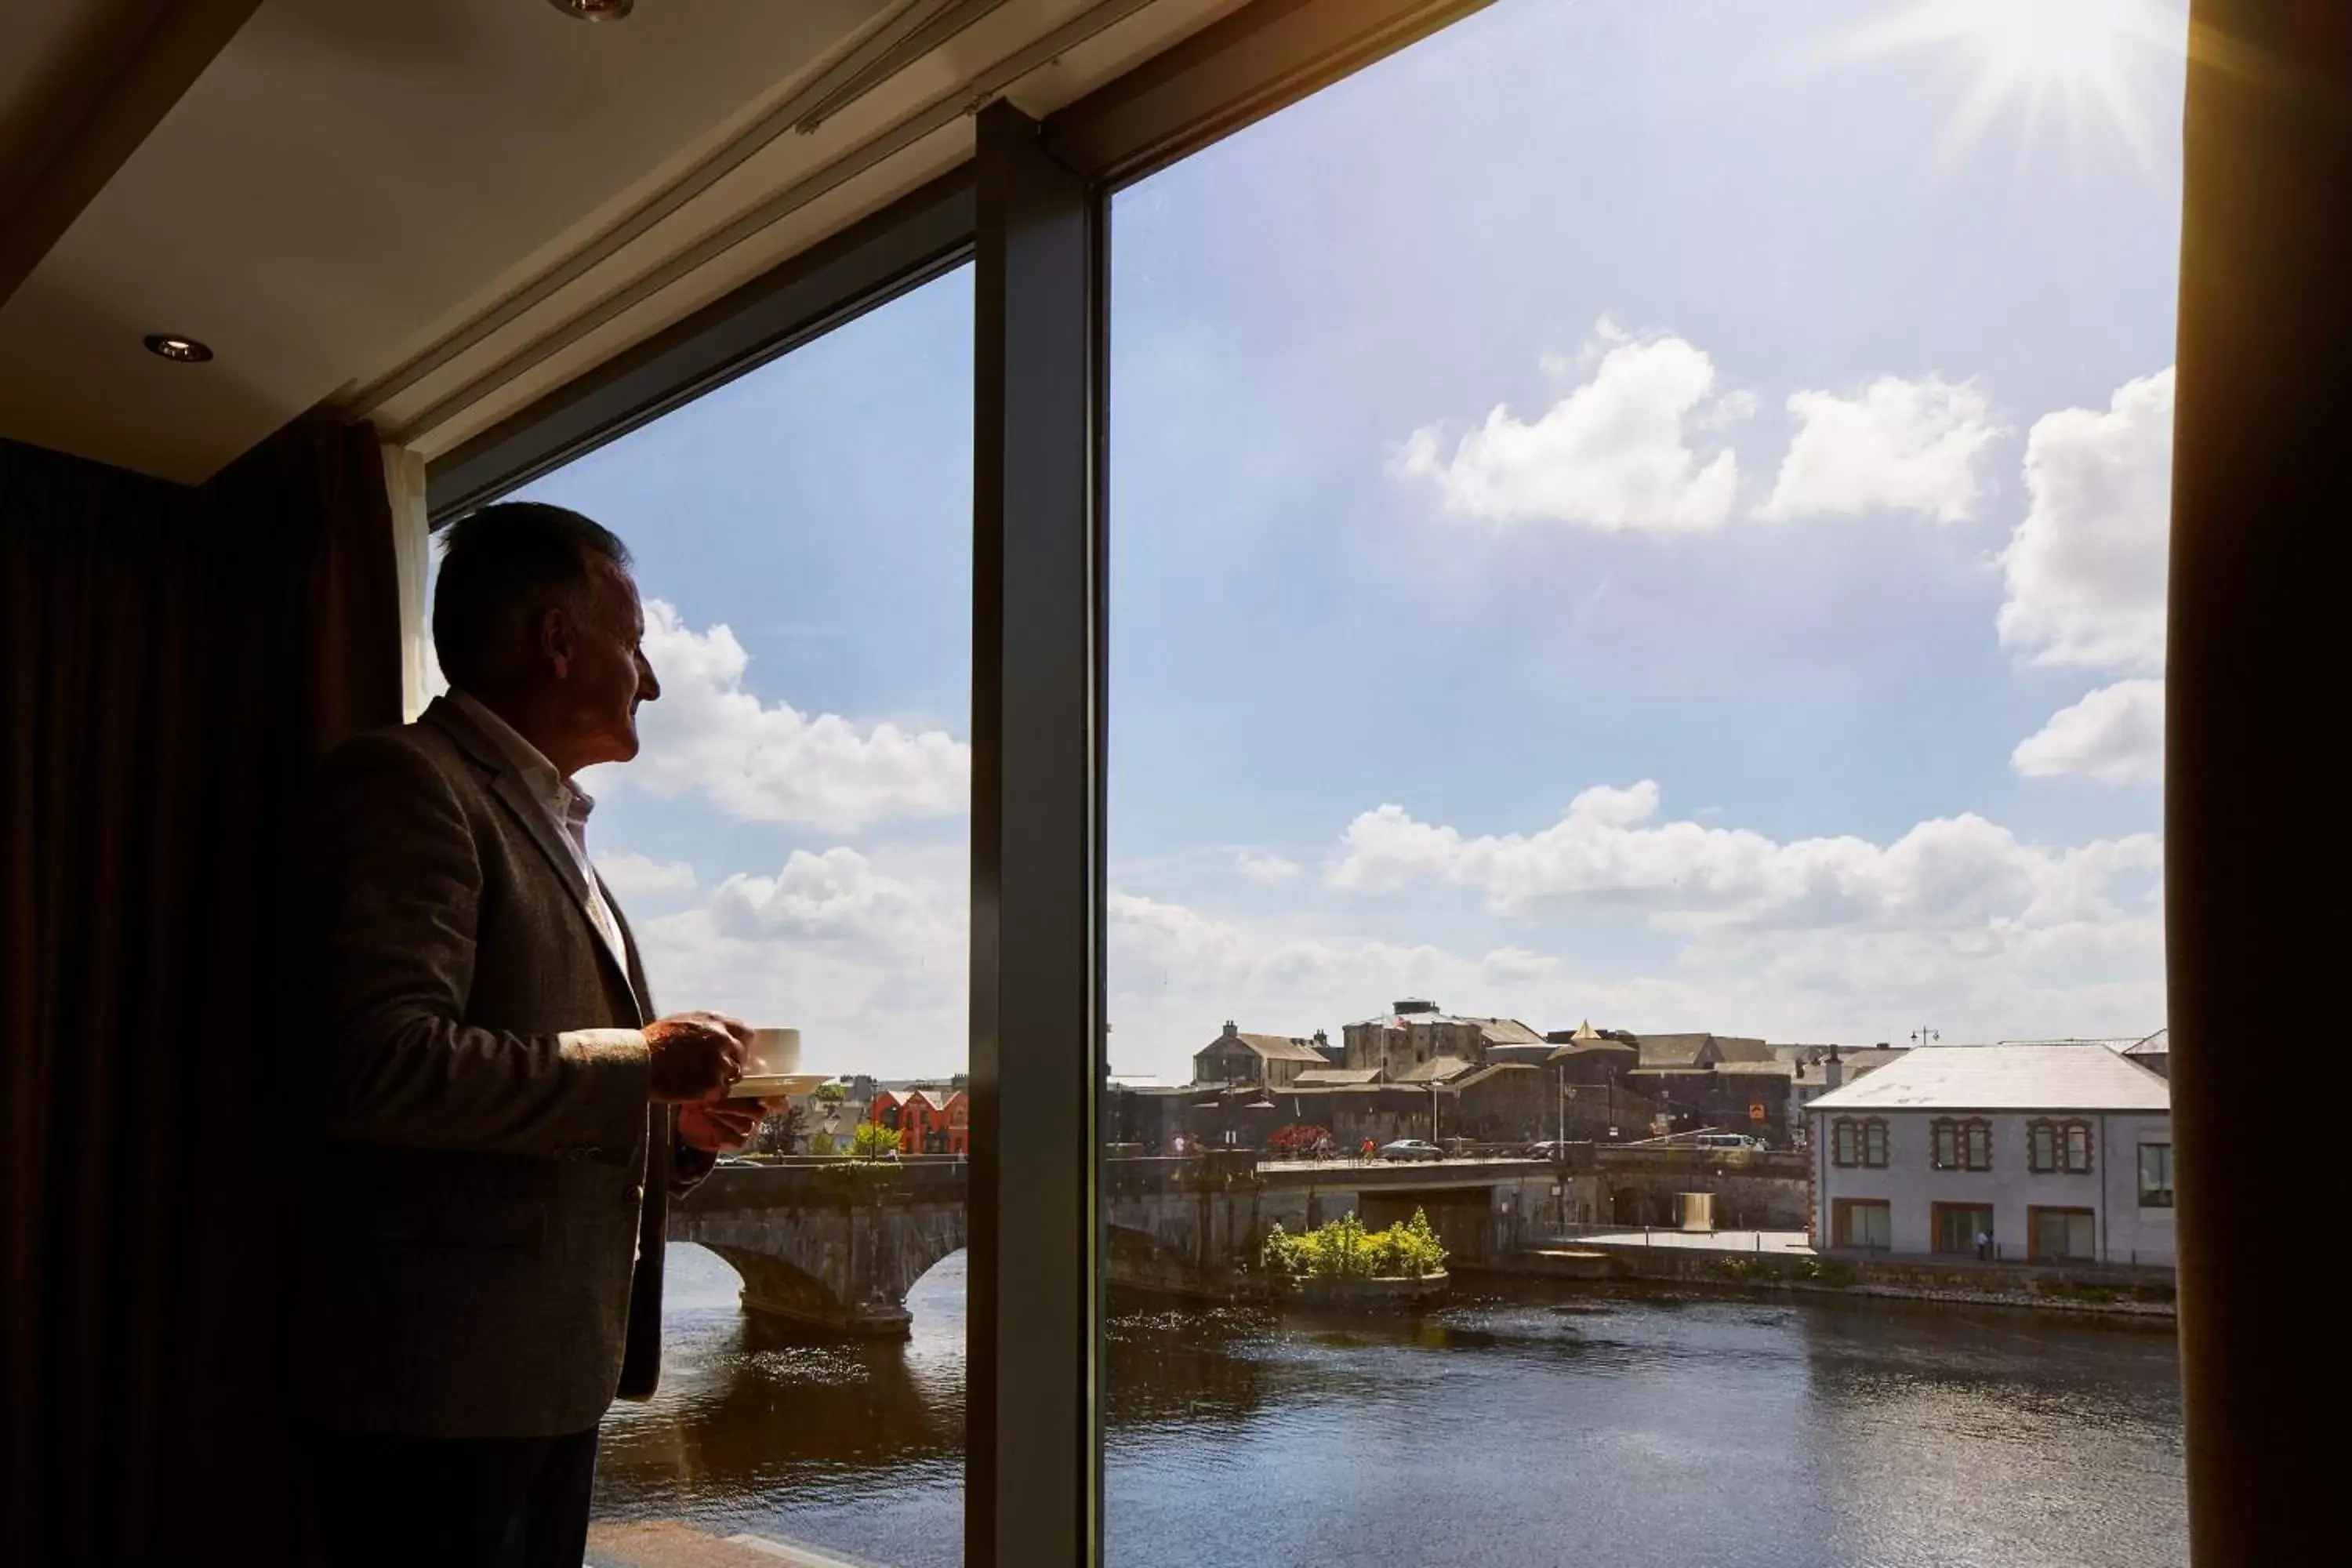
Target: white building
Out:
[2054,1152]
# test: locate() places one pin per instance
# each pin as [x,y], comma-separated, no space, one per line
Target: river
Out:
[1523,1425]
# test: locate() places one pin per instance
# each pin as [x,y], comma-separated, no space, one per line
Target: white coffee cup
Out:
[773,1053]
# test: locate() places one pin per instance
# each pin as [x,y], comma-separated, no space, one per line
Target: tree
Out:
[831,1094]
[872,1141]
[782,1134]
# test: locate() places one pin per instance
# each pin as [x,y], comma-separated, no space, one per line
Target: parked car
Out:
[1545,1148]
[1412,1149]
[1726,1140]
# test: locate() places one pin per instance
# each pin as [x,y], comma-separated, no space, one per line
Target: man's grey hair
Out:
[500,563]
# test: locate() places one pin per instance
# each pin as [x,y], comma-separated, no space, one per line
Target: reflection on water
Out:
[1522,1424]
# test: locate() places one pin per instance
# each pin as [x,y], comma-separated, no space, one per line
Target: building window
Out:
[1963,1228]
[2054,1146]
[2062,1234]
[1861,1222]
[1962,1145]
[1858,1143]
[2156,1176]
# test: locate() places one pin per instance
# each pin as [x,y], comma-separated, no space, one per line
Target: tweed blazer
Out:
[486,1206]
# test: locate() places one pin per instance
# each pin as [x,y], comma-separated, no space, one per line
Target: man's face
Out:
[606,675]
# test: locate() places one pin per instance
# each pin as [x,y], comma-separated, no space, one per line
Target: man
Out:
[503,1115]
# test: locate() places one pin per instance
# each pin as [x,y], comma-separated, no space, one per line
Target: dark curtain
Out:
[176,659]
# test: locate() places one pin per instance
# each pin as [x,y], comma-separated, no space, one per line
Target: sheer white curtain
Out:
[411,543]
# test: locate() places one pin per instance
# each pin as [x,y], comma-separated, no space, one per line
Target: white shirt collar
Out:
[567,800]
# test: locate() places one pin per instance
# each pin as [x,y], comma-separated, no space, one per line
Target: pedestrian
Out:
[1984,1247]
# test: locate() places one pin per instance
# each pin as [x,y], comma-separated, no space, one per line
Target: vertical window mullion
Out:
[1033,1446]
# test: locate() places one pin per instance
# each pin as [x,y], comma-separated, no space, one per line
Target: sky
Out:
[1645,513]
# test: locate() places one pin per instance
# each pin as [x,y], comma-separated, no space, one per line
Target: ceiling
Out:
[431,214]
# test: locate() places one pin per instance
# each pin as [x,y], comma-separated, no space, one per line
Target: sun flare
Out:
[2076,55]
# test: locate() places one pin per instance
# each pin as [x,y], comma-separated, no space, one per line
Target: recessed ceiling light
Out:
[177,349]
[595,10]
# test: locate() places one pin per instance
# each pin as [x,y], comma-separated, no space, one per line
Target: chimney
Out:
[1832,1069]
[1231,1029]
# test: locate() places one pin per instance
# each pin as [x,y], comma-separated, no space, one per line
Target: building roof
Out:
[1270,1047]
[1592,1047]
[2159,1044]
[1497,1031]
[1490,1071]
[1332,1077]
[1683,1050]
[2086,1077]
[1436,1070]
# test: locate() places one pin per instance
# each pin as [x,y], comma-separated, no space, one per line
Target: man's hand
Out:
[696,1055]
[723,1126]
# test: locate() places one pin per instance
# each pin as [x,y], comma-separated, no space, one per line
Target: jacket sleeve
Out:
[390,884]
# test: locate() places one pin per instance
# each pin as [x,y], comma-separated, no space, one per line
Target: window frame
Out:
[2170,1189]
[2034,1213]
[1868,1140]
[2069,1150]
[1842,1213]
[1936,1213]
[1969,1139]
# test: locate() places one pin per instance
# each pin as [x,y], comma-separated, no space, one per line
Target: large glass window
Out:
[790,847]
[1636,537]
[2156,1176]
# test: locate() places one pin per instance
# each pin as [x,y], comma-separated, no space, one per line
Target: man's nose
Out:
[649,683]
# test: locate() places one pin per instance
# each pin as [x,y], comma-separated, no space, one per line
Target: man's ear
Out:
[558,640]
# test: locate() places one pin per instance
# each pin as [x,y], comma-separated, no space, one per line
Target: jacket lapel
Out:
[508,786]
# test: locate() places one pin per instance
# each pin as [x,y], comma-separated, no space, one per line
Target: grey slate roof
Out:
[2086,1076]
[1273,1047]
[1333,1078]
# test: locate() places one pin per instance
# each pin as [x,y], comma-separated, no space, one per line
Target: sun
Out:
[2077,56]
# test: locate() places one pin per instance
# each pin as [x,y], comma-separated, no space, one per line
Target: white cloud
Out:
[1615,453]
[771,763]
[2114,735]
[628,872]
[1267,868]
[2085,568]
[866,954]
[1896,446]
[1606,851]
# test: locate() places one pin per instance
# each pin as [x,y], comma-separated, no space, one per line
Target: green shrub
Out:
[1343,1249]
[872,1141]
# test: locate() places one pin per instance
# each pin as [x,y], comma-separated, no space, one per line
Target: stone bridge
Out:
[836,1244]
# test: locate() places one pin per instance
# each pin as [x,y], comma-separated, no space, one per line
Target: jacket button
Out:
[635,1193]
